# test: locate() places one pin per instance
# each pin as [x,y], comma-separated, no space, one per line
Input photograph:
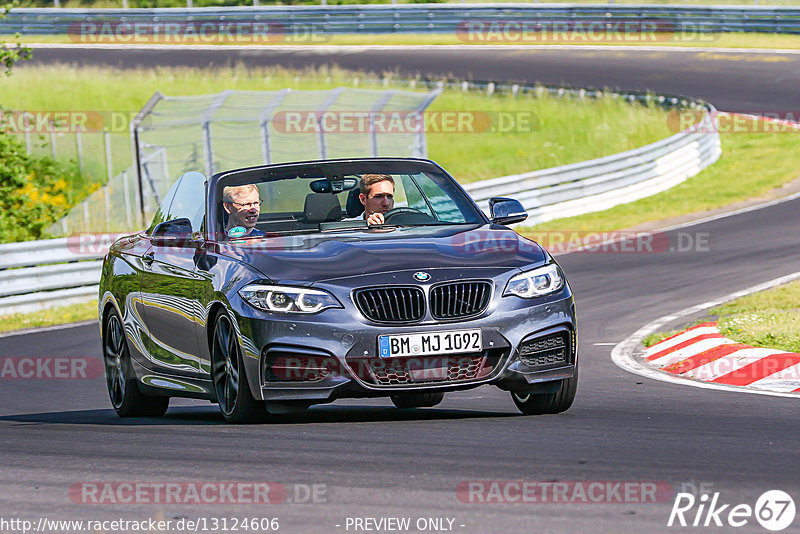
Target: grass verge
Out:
[53,316]
[751,165]
[522,133]
[694,40]
[769,319]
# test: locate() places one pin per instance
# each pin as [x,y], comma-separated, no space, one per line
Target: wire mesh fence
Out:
[234,129]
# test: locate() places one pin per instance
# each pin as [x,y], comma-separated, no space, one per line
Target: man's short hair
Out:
[229,191]
[368,179]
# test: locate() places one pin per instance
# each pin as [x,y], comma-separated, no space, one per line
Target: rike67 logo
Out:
[774,510]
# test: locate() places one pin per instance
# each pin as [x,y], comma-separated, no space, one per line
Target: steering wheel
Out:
[399,211]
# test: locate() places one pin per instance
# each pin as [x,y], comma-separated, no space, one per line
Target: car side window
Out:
[190,199]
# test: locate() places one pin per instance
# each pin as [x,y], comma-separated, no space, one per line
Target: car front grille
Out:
[456,300]
[549,350]
[452,369]
[393,304]
[427,370]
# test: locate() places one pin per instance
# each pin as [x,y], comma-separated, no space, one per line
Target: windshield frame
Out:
[328,169]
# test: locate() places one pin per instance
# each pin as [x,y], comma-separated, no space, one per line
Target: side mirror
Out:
[506,211]
[177,232]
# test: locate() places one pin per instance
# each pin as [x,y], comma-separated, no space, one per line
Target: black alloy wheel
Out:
[123,390]
[227,373]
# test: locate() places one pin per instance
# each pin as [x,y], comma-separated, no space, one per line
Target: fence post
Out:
[53,139]
[165,168]
[209,156]
[124,4]
[207,115]
[266,156]
[377,108]
[136,149]
[420,149]
[107,139]
[80,149]
[266,115]
[323,150]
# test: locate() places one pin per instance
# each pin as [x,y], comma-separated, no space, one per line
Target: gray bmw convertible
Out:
[270,289]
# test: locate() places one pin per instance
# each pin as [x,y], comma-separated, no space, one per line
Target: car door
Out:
[171,287]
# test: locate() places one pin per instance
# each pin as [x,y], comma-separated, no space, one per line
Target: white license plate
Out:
[451,342]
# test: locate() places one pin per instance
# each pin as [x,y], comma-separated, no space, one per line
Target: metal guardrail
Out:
[605,182]
[422,18]
[38,274]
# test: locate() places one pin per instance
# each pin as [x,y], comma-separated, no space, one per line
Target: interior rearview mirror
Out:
[333,185]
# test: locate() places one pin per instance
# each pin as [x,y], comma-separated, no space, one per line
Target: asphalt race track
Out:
[377,461]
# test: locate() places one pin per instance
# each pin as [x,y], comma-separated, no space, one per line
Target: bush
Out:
[34,192]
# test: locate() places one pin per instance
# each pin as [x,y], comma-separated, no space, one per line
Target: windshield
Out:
[314,203]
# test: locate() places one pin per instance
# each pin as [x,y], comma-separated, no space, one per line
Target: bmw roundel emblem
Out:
[422,276]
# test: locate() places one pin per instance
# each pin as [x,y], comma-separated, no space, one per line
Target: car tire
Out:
[123,387]
[548,403]
[417,400]
[235,400]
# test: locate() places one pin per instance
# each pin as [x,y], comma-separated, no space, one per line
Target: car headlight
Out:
[535,283]
[285,299]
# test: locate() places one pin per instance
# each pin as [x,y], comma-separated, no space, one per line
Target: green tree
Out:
[10,54]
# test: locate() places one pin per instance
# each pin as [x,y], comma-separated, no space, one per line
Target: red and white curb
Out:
[709,365]
[702,353]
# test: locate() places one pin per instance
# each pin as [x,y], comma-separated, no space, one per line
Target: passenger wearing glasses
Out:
[242,203]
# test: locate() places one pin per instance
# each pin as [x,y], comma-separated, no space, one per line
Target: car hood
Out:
[320,257]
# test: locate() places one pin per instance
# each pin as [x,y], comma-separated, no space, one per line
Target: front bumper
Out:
[332,355]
